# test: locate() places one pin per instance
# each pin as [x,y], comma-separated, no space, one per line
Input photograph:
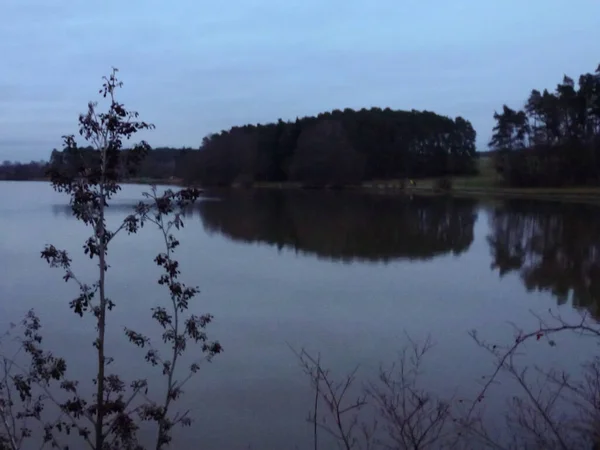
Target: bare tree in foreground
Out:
[548,409]
[40,392]
[551,408]
[392,412]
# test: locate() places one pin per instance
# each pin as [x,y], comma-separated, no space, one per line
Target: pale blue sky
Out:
[193,66]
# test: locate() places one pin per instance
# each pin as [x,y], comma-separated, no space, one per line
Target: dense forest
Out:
[337,148]
[160,164]
[332,149]
[555,139]
[34,170]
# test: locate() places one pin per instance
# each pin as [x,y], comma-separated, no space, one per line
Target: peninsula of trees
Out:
[337,148]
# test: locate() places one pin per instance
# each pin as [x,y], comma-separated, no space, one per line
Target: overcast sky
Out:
[194,66]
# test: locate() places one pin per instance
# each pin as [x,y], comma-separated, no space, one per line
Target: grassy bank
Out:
[465,188]
[579,194]
[487,183]
[486,179]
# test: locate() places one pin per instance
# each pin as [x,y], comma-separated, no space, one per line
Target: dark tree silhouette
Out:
[555,140]
[15,171]
[332,149]
[110,418]
[338,147]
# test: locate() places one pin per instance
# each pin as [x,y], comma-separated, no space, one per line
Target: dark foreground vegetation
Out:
[40,404]
[549,408]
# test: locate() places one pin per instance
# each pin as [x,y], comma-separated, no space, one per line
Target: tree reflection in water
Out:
[345,226]
[553,247]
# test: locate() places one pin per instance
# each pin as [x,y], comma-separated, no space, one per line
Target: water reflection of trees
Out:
[334,225]
[554,248]
[344,226]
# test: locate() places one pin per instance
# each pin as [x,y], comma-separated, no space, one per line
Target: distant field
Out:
[486,178]
[487,183]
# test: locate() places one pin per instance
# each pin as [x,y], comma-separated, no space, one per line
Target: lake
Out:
[346,275]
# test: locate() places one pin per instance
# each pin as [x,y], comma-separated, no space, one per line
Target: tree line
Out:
[15,171]
[337,148]
[555,139]
[161,163]
[332,149]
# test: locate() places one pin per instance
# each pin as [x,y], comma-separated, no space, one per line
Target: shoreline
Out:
[583,195]
[590,195]
[147,181]
[567,194]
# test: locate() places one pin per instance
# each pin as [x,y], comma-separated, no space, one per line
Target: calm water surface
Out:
[343,274]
